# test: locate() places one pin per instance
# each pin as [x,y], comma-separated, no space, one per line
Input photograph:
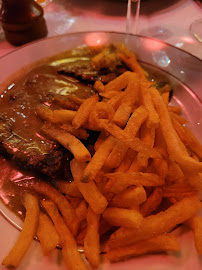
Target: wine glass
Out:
[132,16]
[196,29]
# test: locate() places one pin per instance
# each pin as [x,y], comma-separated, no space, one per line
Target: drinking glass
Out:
[132,16]
[196,29]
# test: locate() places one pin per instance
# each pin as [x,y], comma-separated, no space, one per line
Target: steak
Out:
[20,137]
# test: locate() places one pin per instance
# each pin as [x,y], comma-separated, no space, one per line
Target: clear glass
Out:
[132,16]
[196,29]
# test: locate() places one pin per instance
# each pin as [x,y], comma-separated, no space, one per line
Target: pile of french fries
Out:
[143,179]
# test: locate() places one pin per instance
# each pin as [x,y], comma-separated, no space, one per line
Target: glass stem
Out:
[131,27]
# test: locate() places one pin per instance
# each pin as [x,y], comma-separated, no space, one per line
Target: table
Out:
[165,20]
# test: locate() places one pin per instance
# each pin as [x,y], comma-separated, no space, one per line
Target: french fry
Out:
[152,202]
[99,86]
[109,94]
[80,133]
[133,143]
[101,113]
[64,206]
[98,159]
[27,234]
[76,99]
[195,224]
[47,234]
[165,97]
[92,239]
[65,103]
[157,224]
[179,118]
[81,210]
[68,188]
[127,160]
[123,217]
[188,138]
[69,141]
[161,167]
[174,172]
[45,113]
[147,135]
[74,201]
[129,197]
[70,252]
[131,94]
[84,111]
[153,118]
[160,243]
[120,181]
[174,109]
[119,83]
[102,137]
[116,100]
[89,190]
[63,116]
[174,147]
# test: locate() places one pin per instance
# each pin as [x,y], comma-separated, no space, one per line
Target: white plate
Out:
[185,73]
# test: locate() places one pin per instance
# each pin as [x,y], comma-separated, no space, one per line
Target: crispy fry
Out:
[152,202]
[47,234]
[70,252]
[153,118]
[80,133]
[179,118]
[119,83]
[131,94]
[127,160]
[165,97]
[64,206]
[157,224]
[89,190]
[98,159]
[99,86]
[92,239]
[174,109]
[123,217]
[27,234]
[101,113]
[195,224]
[160,243]
[102,137]
[130,197]
[68,188]
[120,181]
[84,111]
[188,138]
[81,210]
[174,147]
[116,100]
[133,143]
[65,103]
[63,116]
[45,113]
[69,141]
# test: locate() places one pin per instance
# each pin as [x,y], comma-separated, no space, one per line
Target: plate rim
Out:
[93,31]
